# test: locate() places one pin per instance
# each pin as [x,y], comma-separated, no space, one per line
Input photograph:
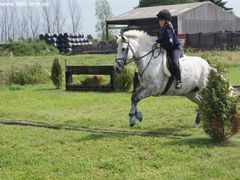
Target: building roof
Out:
[150,12]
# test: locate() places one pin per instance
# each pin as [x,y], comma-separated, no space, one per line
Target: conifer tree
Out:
[56,74]
[218,108]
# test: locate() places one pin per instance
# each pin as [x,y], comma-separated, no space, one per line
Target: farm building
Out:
[191,18]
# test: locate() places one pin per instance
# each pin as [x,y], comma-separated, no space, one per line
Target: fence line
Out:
[210,41]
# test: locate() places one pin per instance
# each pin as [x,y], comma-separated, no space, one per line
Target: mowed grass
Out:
[94,110]
[31,153]
[170,149]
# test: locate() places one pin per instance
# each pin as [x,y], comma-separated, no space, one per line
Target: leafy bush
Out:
[29,48]
[124,80]
[94,81]
[56,73]
[219,109]
[29,74]
[4,79]
[1,51]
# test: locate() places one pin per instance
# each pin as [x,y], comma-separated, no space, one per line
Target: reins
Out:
[152,51]
[124,58]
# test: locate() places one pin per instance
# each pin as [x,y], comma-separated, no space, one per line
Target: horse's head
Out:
[124,53]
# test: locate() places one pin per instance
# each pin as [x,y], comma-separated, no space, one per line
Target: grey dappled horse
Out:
[154,74]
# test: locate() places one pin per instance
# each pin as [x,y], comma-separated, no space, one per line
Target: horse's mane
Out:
[136,34]
[141,35]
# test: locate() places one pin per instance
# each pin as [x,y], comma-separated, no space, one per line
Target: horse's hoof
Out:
[139,116]
[198,119]
[131,125]
[132,121]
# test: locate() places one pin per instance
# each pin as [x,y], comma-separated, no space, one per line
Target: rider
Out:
[169,41]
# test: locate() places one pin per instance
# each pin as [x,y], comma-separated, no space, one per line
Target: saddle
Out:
[168,65]
[168,70]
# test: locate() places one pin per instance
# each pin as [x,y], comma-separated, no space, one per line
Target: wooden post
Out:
[107,31]
[68,76]
[112,81]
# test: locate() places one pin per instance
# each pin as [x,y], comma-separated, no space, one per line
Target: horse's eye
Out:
[123,49]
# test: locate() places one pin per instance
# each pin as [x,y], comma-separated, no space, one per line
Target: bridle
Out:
[124,58]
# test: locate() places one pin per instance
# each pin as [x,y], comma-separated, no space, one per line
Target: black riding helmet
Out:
[164,15]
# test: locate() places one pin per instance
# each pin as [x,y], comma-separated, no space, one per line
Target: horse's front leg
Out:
[138,95]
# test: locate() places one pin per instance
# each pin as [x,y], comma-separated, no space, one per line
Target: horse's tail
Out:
[212,69]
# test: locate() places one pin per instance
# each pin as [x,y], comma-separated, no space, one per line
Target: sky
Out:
[121,6]
[87,10]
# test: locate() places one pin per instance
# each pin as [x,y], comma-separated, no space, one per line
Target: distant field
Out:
[171,149]
[230,59]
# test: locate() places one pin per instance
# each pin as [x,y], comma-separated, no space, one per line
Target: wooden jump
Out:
[91,70]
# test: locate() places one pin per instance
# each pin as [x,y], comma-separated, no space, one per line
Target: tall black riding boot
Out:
[175,55]
[177,74]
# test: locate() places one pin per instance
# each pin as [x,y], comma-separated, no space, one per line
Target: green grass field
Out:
[166,147]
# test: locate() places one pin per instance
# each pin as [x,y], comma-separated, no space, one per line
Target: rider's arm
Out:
[168,43]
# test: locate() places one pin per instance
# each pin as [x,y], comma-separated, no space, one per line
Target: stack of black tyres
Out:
[65,41]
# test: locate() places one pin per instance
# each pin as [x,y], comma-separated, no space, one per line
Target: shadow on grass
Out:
[98,133]
[201,142]
[171,133]
[92,137]
[49,89]
[178,132]
[177,135]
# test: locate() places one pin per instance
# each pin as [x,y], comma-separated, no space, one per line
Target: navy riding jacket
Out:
[168,38]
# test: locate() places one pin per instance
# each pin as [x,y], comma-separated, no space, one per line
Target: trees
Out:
[219,3]
[146,3]
[56,73]
[8,23]
[102,12]
[59,19]
[34,21]
[75,15]
[48,19]
[25,21]
[23,29]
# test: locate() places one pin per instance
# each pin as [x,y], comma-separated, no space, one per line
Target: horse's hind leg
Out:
[194,97]
[138,95]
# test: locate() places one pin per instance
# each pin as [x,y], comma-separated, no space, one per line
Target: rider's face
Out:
[162,22]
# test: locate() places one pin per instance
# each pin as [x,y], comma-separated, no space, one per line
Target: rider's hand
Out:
[157,45]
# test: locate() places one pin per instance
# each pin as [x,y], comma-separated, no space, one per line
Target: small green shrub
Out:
[29,48]
[15,87]
[29,74]
[56,74]
[4,78]
[1,51]
[124,81]
[42,48]
[94,81]
[218,108]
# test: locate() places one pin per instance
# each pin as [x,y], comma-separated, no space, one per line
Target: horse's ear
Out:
[123,38]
